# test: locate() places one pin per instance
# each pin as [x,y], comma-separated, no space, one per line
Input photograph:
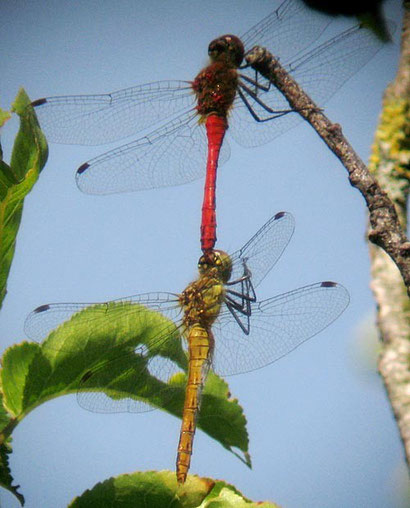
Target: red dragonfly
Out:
[216,322]
[223,92]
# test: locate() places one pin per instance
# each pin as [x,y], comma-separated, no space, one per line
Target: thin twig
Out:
[386,230]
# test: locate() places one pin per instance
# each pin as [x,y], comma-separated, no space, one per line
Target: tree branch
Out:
[386,230]
[390,163]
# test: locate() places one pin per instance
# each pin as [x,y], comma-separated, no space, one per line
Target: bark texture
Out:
[385,187]
[390,164]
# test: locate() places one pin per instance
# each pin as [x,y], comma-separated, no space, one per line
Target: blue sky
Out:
[321,430]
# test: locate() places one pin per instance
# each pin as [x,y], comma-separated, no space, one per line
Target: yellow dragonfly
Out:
[216,323]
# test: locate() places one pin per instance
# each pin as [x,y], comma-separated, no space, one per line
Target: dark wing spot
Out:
[83,168]
[279,215]
[42,308]
[328,284]
[38,102]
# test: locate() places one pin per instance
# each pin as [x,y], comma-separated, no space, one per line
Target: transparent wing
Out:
[116,348]
[46,318]
[137,381]
[323,70]
[277,326]
[103,118]
[320,72]
[241,121]
[290,28]
[263,250]
[172,155]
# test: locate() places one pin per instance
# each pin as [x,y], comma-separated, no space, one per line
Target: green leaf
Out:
[5,170]
[4,416]
[30,149]
[222,418]
[102,339]
[6,178]
[4,116]
[17,179]
[160,489]
[6,480]
[16,376]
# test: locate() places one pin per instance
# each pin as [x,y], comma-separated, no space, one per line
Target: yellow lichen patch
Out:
[392,139]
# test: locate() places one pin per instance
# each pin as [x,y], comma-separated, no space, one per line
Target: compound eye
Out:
[221,45]
[218,46]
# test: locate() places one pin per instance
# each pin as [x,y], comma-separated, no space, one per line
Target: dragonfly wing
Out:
[138,381]
[260,133]
[277,326]
[94,319]
[323,70]
[172,155]
[290,28]
[264,249]
[123,353]
[320,72]
[103,118]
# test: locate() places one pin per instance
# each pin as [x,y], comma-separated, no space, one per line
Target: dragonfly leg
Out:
[243,307]
[239,302]
[255,82]
[276,114]
[245,326]
[247,290]
[246,297]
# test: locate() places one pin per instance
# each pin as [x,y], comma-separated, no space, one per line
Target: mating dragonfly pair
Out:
[219,315]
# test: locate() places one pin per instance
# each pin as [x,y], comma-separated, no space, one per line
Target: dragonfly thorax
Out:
[215,88]
[201,301]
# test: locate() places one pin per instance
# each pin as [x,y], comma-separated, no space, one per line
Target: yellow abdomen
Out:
[200,348]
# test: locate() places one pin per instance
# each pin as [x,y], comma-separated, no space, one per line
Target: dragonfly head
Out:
[228,48]
[216,259]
